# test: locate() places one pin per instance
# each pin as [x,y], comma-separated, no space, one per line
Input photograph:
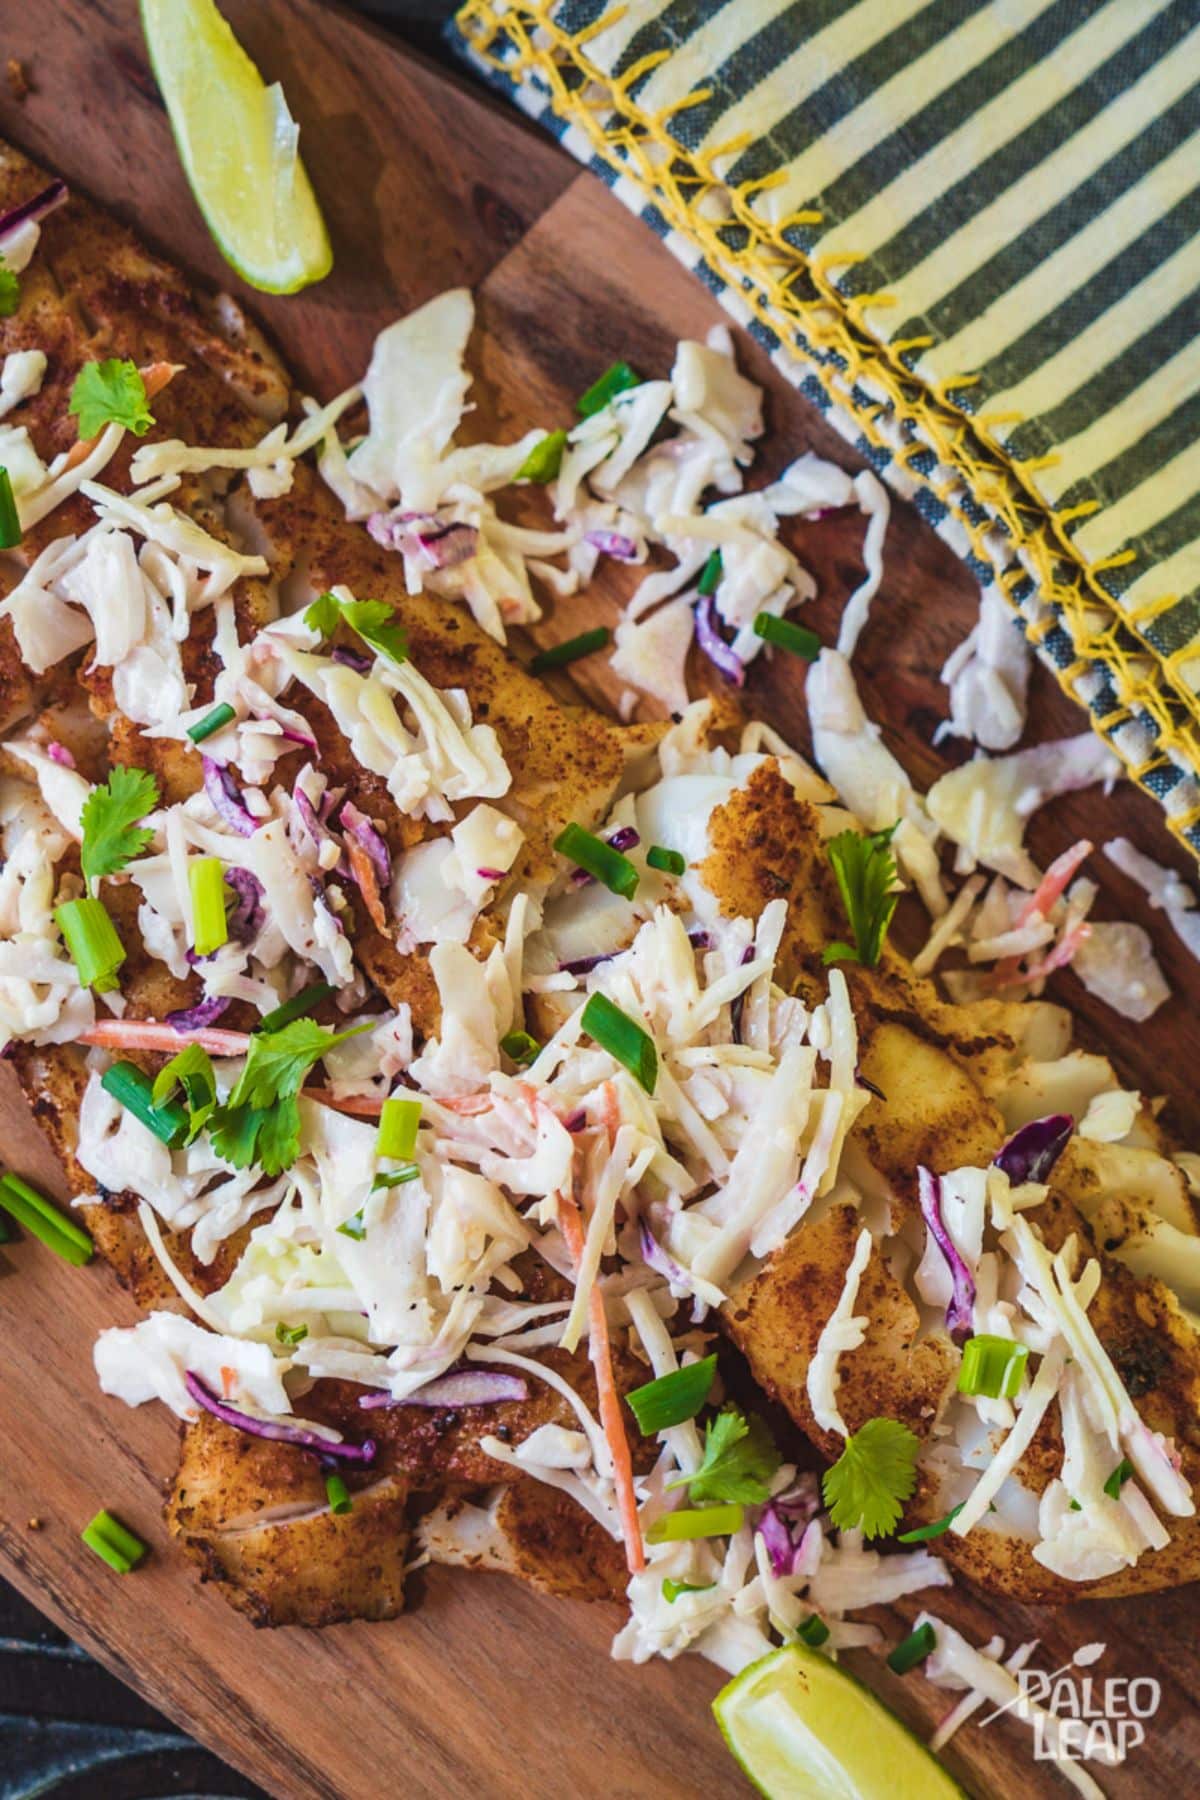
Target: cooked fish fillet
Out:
[528,1530]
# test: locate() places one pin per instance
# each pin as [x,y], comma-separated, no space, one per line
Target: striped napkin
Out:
[969,230]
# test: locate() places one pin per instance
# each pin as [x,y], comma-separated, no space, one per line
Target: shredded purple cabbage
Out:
[1031,1153]
[583,965]
[33,210]
[365,834]
[299,1435]
[660,1260]
[962,1298]
[461,1387]
[738,1004]
[783,1521]
[575,1121]
[196,1018]
[718,652]
[245,916]
[443,543]
[58,753]
[226,800]
[612,543]
[490,874]
[351,659]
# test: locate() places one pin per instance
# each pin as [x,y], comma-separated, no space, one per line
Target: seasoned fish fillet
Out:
[527,1530]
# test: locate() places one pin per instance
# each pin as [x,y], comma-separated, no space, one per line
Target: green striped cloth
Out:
[969,232]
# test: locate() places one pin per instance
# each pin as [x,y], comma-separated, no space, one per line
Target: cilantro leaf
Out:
[373,620]
[10,291]
[866,874]
[110,393]
[876,1473]
[739,1461]
[112,836]
[260,1121]
[192,1071]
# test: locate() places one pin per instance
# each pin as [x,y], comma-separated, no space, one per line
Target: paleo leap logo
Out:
[1075,1717]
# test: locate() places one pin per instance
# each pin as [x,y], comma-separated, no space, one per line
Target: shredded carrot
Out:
[146,1034]
[612,1112]
[228,1377]
[363,1106]
[363,870]
[600,1351]
[467,1105]
[1053,882]
[155,377]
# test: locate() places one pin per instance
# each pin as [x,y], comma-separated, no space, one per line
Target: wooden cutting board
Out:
[485,1688]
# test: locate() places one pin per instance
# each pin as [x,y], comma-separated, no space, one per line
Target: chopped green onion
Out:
[134,1090]
[398,1124]
[544,460]
[44,1221]
[599,859]
[116,1546]
[395,1177]
[216,720]
[290,1334]
[797,638]
[616,380]
[559,655]
[658,1405]
[354,1228]
[710,574]
[673,1589]
[914,1649]
[338,1495]
[10,524]
[519,1046]
[92,942]
[813,1631]
[1116,1481]
[623,1038]
[306,1001]
[206,879]
[992,1366]
[921,1534]
[670,862]
[697,1522]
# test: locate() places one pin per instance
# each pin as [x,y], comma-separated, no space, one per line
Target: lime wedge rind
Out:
[237,143]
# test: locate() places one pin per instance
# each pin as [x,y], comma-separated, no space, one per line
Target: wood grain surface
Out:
[485,1688]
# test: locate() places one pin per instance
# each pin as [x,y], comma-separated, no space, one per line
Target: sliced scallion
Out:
[354,1227]
[395,1177]
[812,1631]
[116,1546]
[609,866]
[559,655]
[92,942]
[667,862]
[992,1367]
[133,1089]
[398,1128]
[623,1038]
[657,1405]
[520,1047]
[710,574]
[796,638]
[615,380]
[290,1334]
[298,1007]
[673,1589]
[43,1220]
[10,524]
[697,1522]
[216,720]
[921,1534]
[1116,1481]
[913,1650]
[544,460]
[206,879]
[338,1495]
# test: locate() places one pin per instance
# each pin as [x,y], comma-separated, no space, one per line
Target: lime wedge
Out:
[238,145]
[804,1729]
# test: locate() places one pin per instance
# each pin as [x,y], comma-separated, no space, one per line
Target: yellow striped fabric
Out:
[969,229]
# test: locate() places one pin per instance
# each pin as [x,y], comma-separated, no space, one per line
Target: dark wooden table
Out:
[68,1729]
